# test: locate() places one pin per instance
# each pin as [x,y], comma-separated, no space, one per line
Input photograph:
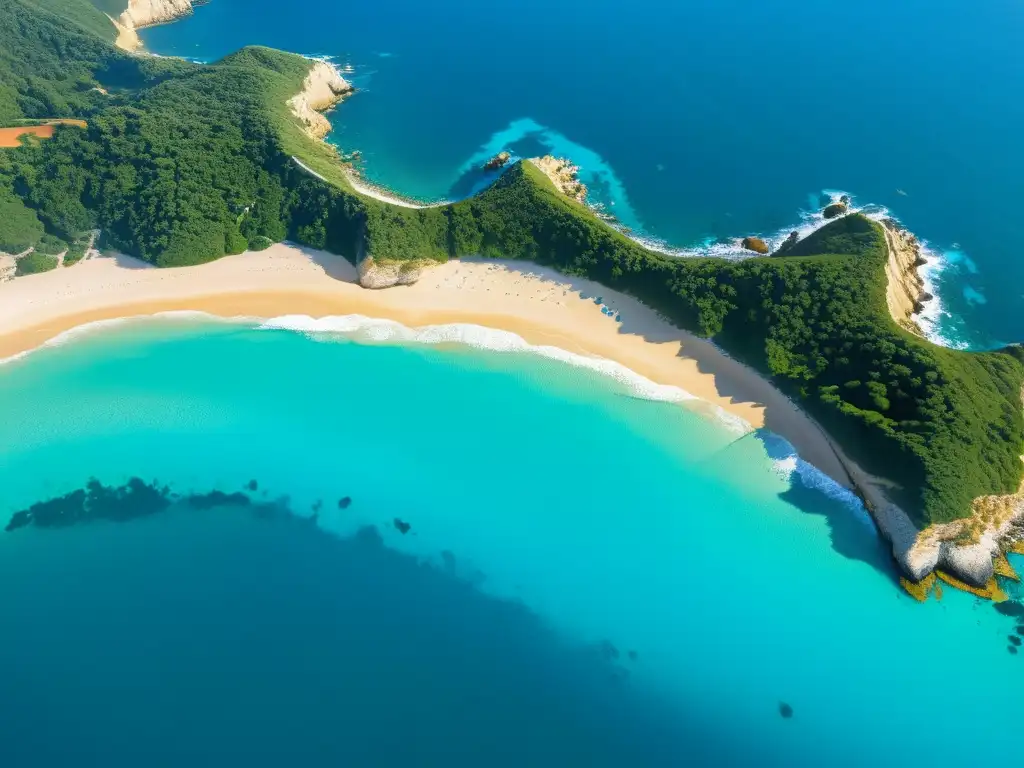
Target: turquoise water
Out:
[582,580]
[695,120]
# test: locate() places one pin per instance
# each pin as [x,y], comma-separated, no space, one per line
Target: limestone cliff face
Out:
[563,174]
[376,274]
[905,292]
[963,548]
[322,89]
[146,13]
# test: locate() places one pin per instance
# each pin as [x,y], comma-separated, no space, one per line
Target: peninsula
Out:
[182,164]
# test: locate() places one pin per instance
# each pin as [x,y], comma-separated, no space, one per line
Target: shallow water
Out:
[692,121]
[587,578]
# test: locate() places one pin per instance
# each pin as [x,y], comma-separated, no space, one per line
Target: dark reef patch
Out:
[1020,629]
[401,526]
[345,502]
[252,485]
[118,504]
[1010,608]
[96,501]
[1014,640]
[1012,649]
[785,710]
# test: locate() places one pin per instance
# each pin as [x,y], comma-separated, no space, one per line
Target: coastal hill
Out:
[182,163]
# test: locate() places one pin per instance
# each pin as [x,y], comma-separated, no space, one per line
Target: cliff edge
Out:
[905,294]
[148,13]
[322,89]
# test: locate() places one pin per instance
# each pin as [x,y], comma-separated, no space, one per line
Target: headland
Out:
[826,327]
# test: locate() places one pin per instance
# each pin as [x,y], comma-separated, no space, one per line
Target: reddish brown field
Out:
[9,136]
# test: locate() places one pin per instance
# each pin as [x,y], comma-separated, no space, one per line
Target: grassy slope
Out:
[196,162]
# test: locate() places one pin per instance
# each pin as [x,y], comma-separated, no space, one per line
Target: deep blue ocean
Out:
[699,119]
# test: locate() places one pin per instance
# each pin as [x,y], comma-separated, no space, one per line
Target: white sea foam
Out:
[935,321]
[364,328]
[87,329]
[811,477]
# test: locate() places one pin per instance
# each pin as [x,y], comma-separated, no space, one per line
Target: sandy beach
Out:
[541,306]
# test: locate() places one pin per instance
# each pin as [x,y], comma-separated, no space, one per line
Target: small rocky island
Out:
[837,208]
[755,244]
[498,162]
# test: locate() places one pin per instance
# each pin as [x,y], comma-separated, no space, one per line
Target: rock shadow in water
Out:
[267,644]
[850,534]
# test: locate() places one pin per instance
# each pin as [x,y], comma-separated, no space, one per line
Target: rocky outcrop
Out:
[374,273]
[904,294]
[563,174]
[147,13]
[322,89]
[835,209]
[792,239]
[755,244]
[497,162]
[965,549]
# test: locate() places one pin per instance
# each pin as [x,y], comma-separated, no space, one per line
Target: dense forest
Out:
[184,163]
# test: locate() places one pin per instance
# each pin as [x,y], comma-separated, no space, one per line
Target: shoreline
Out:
[539,305]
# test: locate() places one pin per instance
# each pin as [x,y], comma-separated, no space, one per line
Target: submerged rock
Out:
[401,526]
[1020,630]
[252,485]
[344,502]
[1014,640]
[755,244]
[785,710]
[1012,649]
[96,501]
[1010,608]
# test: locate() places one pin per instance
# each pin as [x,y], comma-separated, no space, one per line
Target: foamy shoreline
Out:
[544,309]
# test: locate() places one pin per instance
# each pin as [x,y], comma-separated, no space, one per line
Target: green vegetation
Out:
[33,263]
[185,163]
[20,228]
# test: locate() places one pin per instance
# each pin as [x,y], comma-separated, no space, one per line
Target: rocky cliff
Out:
[963,548]
[146,13]
[322,89]
[905,292]
[563,174]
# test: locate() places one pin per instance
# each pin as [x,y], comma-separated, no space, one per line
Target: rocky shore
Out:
[563,174]
[966,549]
[322,89]
[148,13]
[905,292]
